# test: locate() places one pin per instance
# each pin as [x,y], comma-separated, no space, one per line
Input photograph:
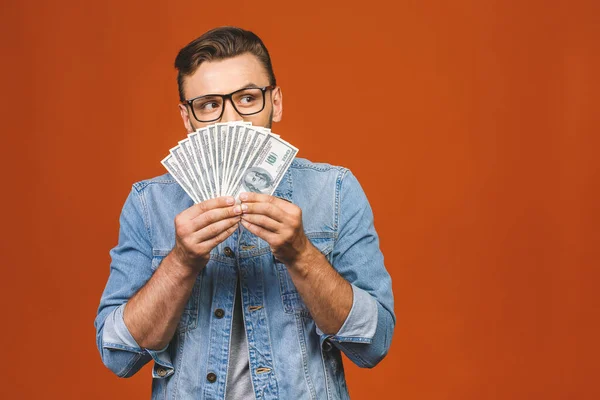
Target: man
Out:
[253,300]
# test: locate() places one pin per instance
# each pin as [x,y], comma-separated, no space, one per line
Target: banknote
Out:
[186,169]
[225,159]
[170,163]
[267,167]
[188,153]
[205,144]
[201,163]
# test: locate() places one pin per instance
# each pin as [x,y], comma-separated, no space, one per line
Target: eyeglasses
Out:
[247,101]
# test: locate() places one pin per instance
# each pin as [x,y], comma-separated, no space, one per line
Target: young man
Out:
[253,300]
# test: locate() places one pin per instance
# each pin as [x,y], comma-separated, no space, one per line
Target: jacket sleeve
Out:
[366,335]
[130,269]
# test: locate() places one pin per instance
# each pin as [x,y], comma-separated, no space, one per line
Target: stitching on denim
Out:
[141,185]
[273,377]
[130,366]
[306,164]
[352,339]
[355,354]
[324,370]
[179,362]
[145,215]
[338,195]
[320,235]
[160,362]
[301,341]
[116,346]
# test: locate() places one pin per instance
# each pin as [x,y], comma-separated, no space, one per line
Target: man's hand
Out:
[277,222]
[202,227]
[327,295]
[153,313]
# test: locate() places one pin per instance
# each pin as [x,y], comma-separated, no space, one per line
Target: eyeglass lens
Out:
[245,101]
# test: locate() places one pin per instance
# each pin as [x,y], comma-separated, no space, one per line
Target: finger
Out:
[263,221]
[214,215]
[212,243]
[213,230]
[200,208]
[262,233]
[268,209]
[251,197]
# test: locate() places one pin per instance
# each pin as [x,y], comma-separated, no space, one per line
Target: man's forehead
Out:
[225,76]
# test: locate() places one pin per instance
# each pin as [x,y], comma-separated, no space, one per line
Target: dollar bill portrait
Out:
[257,180]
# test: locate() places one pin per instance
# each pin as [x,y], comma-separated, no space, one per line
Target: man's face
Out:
[224,77]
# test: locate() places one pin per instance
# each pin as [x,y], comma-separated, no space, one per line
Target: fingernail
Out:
[230,200]
[244,196]
[237,209]
[244,207]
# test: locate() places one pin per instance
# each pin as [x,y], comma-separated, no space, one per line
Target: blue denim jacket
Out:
[290,357]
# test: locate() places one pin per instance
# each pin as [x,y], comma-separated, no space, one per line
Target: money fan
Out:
[225,159]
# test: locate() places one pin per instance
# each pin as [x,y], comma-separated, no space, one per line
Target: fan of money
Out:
[226,159]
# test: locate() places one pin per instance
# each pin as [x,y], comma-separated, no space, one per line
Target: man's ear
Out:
[185,116]
[277,97]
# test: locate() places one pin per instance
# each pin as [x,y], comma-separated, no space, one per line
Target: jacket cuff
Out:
[115,333]
[116,336]
[360,324]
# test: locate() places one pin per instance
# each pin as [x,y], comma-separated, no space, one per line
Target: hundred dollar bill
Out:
[227,147]
[170,163]
[256,138]
[208,174]
[188,153]
[244,136]
[212,146]
[267,167]
[201,163]
[234,134]
[221,129]
[186,169]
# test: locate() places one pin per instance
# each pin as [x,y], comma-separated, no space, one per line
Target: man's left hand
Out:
[279,223]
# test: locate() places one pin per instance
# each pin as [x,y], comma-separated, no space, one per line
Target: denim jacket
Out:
[289,356]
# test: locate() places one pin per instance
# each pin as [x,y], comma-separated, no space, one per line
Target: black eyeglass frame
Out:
[229,96]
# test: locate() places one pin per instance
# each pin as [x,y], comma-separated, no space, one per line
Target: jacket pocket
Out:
[291,299]
[189,317]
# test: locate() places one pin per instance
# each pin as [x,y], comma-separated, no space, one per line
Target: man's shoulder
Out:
[304,164]
[163,180]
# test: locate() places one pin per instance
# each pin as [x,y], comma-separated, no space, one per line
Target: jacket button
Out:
[228,252]
[219,313]
[161,372]
[211,377]
[327,346]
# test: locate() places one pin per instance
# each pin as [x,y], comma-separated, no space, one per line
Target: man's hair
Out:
[219,44]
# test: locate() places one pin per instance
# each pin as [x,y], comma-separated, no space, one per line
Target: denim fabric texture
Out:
[290,357]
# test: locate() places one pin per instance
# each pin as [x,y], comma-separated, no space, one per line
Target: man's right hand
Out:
[202,227]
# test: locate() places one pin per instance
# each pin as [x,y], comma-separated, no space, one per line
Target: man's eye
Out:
[247,99]
[209,106]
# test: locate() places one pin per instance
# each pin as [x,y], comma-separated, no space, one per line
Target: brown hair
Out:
[218,44]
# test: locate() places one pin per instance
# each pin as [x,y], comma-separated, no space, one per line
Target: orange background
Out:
[472,126]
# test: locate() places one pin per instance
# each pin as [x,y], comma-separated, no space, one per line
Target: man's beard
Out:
[270,122]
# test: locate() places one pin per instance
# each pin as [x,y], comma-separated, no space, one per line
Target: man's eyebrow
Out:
[246,86]
[250,86]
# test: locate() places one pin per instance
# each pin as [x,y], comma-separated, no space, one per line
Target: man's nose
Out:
[229,113]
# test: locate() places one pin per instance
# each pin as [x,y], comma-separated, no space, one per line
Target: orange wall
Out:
[472,125]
